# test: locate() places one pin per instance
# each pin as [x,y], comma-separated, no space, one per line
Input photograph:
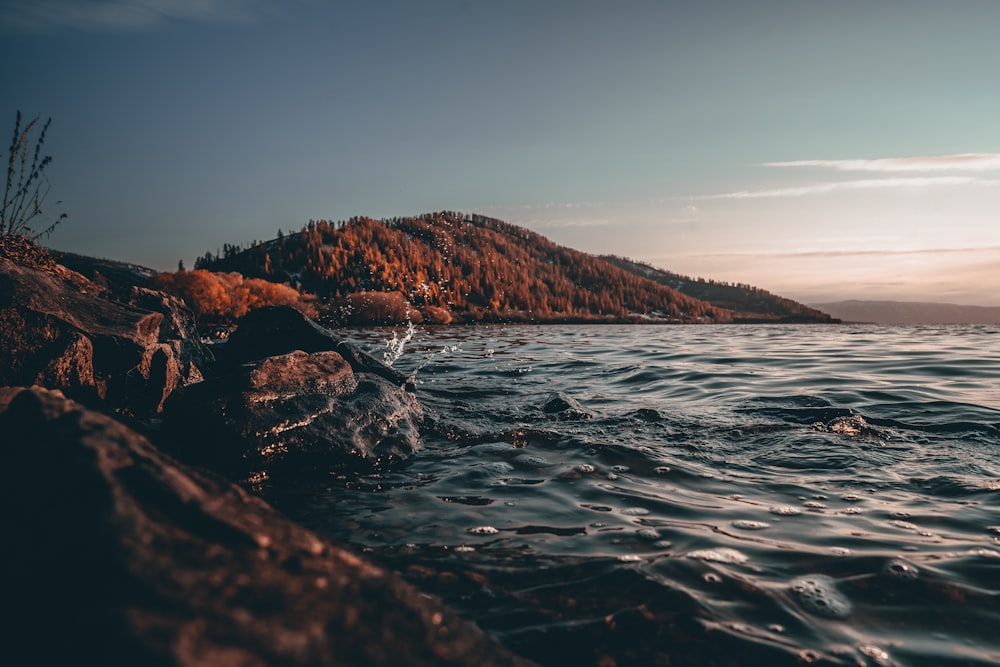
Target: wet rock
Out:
[565,407]
[274,330]
[60,329]
[854,426]
[297,408]
[114,554]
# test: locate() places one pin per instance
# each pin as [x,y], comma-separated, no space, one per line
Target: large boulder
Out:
[274,330]
[297,409]
[59,329]
[115,554]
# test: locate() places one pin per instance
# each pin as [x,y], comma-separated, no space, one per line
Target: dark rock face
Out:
[296,408]
[60,330]
[115,554]
[274,330]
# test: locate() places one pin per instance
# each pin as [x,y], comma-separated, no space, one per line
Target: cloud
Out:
[123,15]
[852,252]
[864,184]
[957,162]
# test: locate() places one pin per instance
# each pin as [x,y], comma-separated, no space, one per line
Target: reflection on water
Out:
[697,495]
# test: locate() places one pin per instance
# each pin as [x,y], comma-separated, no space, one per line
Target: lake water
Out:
[696,495]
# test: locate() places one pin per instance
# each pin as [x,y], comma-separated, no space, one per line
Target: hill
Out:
[910,312]
[469,267]
[748,303]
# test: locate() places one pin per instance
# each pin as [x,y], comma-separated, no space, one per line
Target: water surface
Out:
[696,495]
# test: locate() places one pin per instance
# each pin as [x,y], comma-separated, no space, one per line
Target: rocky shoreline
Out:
[127,543]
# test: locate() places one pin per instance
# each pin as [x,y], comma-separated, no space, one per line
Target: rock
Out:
[297,409]
[274,330]
[60,329]
[114,554]
[565,407]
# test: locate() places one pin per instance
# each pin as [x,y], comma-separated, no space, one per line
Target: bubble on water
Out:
[706,475]
[629,558]
[901,515]
[612,476]
[462,548]
[785,510]
[661,470]
[712,578]
[900,569]
[584,468]
[498,482]
[484,530]
[850,497]
[814,505]
[852,510]
[635,511]
[818,594]
[878,655]
[619,468]
[840,551]
[809,656]
[663,544]
[510,503]
[650,534]
[747,524]
[906,525]
[498,467]
[775,627]
[531,461]
[719,555]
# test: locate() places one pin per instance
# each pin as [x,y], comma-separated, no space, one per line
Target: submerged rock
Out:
[114,554]
[59,329]
[296,408]
[565,407]
[854,426]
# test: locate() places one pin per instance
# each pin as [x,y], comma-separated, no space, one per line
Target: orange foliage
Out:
[225,297]
[380,308]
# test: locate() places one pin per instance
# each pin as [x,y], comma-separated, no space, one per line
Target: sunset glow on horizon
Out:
[822,151]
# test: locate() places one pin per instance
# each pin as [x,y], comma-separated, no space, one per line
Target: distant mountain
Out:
[468,267]
[910,312]
[748,303]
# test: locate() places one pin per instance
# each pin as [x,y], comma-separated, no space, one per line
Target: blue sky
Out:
[822,150]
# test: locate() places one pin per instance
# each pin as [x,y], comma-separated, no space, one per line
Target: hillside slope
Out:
[476,268]
[748,303]
[911,312]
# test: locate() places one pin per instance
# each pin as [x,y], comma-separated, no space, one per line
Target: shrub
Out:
[225,297]
[26,186]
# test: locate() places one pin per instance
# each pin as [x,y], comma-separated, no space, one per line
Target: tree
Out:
[26,186]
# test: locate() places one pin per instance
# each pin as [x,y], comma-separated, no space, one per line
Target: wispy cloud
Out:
[864,184]
[853,252]
[957,162]
[123,15]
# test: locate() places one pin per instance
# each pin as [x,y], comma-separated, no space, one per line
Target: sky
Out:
[819,149]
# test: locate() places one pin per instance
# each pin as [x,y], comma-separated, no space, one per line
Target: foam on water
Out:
[817,593]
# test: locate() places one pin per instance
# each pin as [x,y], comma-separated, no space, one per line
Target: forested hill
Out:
[468,267]
[747,302]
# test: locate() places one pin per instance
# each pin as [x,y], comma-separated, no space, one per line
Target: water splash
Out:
[396,345]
